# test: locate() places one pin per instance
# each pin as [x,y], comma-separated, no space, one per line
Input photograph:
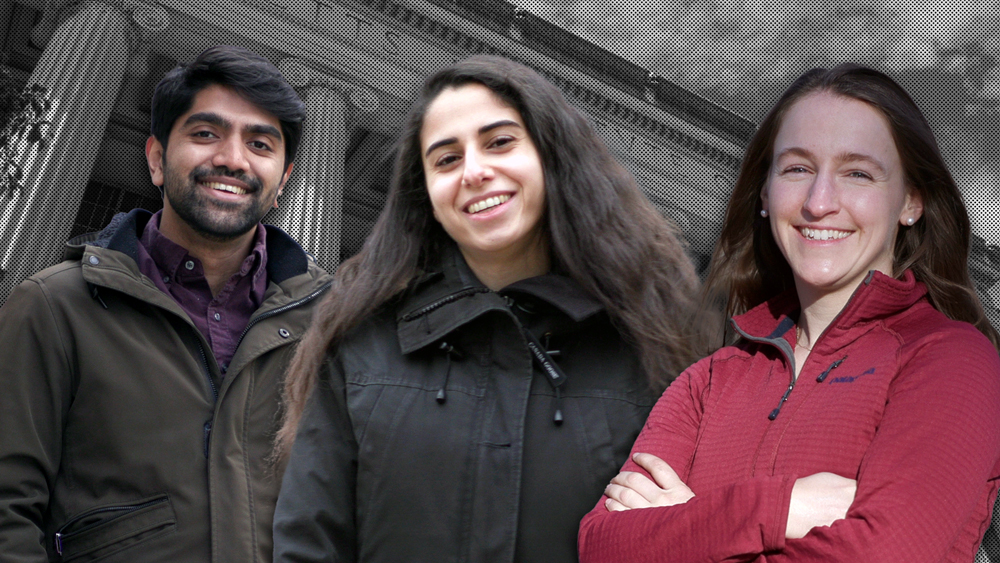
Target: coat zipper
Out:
[444,301]
[60,537]
[207,430]
[282,309]
[208,373]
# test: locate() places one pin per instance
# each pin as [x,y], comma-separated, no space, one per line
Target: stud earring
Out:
[763,213]
[910,221]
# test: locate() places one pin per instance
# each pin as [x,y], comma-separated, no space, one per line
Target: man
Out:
[140,379]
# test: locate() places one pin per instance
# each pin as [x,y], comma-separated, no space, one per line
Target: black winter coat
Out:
[431,435]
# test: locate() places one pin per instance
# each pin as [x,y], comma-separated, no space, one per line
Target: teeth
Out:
[225,188]
[488,203]
[824,234]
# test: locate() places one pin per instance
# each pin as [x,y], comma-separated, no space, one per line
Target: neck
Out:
[219,259]
[818,311]
[497,270]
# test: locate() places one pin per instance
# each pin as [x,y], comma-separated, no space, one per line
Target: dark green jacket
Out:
[119,438]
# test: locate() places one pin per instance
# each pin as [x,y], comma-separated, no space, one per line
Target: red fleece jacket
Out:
[894,395]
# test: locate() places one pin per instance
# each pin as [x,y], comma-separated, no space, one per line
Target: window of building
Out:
[101,202]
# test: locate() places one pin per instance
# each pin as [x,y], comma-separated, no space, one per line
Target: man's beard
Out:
[211,218]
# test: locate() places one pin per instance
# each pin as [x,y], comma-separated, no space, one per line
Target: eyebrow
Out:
[262,129]
[846,156]
[858,157]
[219,121]
[484,129]
[208,117]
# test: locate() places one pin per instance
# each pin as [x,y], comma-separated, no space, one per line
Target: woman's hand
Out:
[818,500]
[630,490]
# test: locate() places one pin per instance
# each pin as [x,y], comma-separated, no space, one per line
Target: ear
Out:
[913,207]
[764,201]
[154,157]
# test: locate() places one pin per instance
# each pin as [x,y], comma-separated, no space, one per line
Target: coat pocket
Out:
[107,530]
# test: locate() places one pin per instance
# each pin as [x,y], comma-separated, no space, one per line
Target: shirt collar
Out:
[167,254]
[173,259]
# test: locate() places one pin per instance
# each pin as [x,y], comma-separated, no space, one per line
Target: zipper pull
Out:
[59,543]
[208,436]
[777,410]
[832,367]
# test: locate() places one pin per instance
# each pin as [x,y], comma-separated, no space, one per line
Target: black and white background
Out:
[739,55]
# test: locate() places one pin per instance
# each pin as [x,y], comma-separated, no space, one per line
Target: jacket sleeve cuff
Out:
[780,490]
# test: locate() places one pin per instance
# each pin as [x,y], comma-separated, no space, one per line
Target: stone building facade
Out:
[357,65]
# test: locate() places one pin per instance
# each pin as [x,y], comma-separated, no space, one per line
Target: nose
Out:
[476,170]
[231,153]
[822,198]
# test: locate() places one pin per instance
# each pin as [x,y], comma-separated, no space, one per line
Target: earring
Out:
[910,221]
[763,213]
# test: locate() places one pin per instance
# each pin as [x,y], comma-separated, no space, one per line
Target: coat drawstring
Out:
[450,351]
[544,357]
[553,373]
[557,417]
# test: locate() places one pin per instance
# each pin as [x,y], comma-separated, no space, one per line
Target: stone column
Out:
[311,207]
[82,67]
[6,13]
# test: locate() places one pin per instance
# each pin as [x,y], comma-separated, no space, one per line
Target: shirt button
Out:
[95,260]
[189,264]
[218,317]
[283,333]
[166,279]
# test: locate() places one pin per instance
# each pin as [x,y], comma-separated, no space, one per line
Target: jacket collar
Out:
[450,296]
[877,297]
[286,258]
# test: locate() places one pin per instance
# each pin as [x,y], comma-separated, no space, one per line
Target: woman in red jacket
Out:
[857,415]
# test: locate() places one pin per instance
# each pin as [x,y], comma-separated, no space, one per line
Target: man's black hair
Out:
[249,74]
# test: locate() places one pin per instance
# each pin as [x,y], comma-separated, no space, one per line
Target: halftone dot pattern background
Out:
[740,56]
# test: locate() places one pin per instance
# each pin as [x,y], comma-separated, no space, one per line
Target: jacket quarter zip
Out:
[777,341]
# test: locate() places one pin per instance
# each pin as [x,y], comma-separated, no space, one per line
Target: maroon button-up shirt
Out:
[222,318]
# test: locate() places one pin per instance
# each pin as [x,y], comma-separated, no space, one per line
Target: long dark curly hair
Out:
[603,232]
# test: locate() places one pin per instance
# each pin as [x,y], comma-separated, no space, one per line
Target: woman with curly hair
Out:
[481,367]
